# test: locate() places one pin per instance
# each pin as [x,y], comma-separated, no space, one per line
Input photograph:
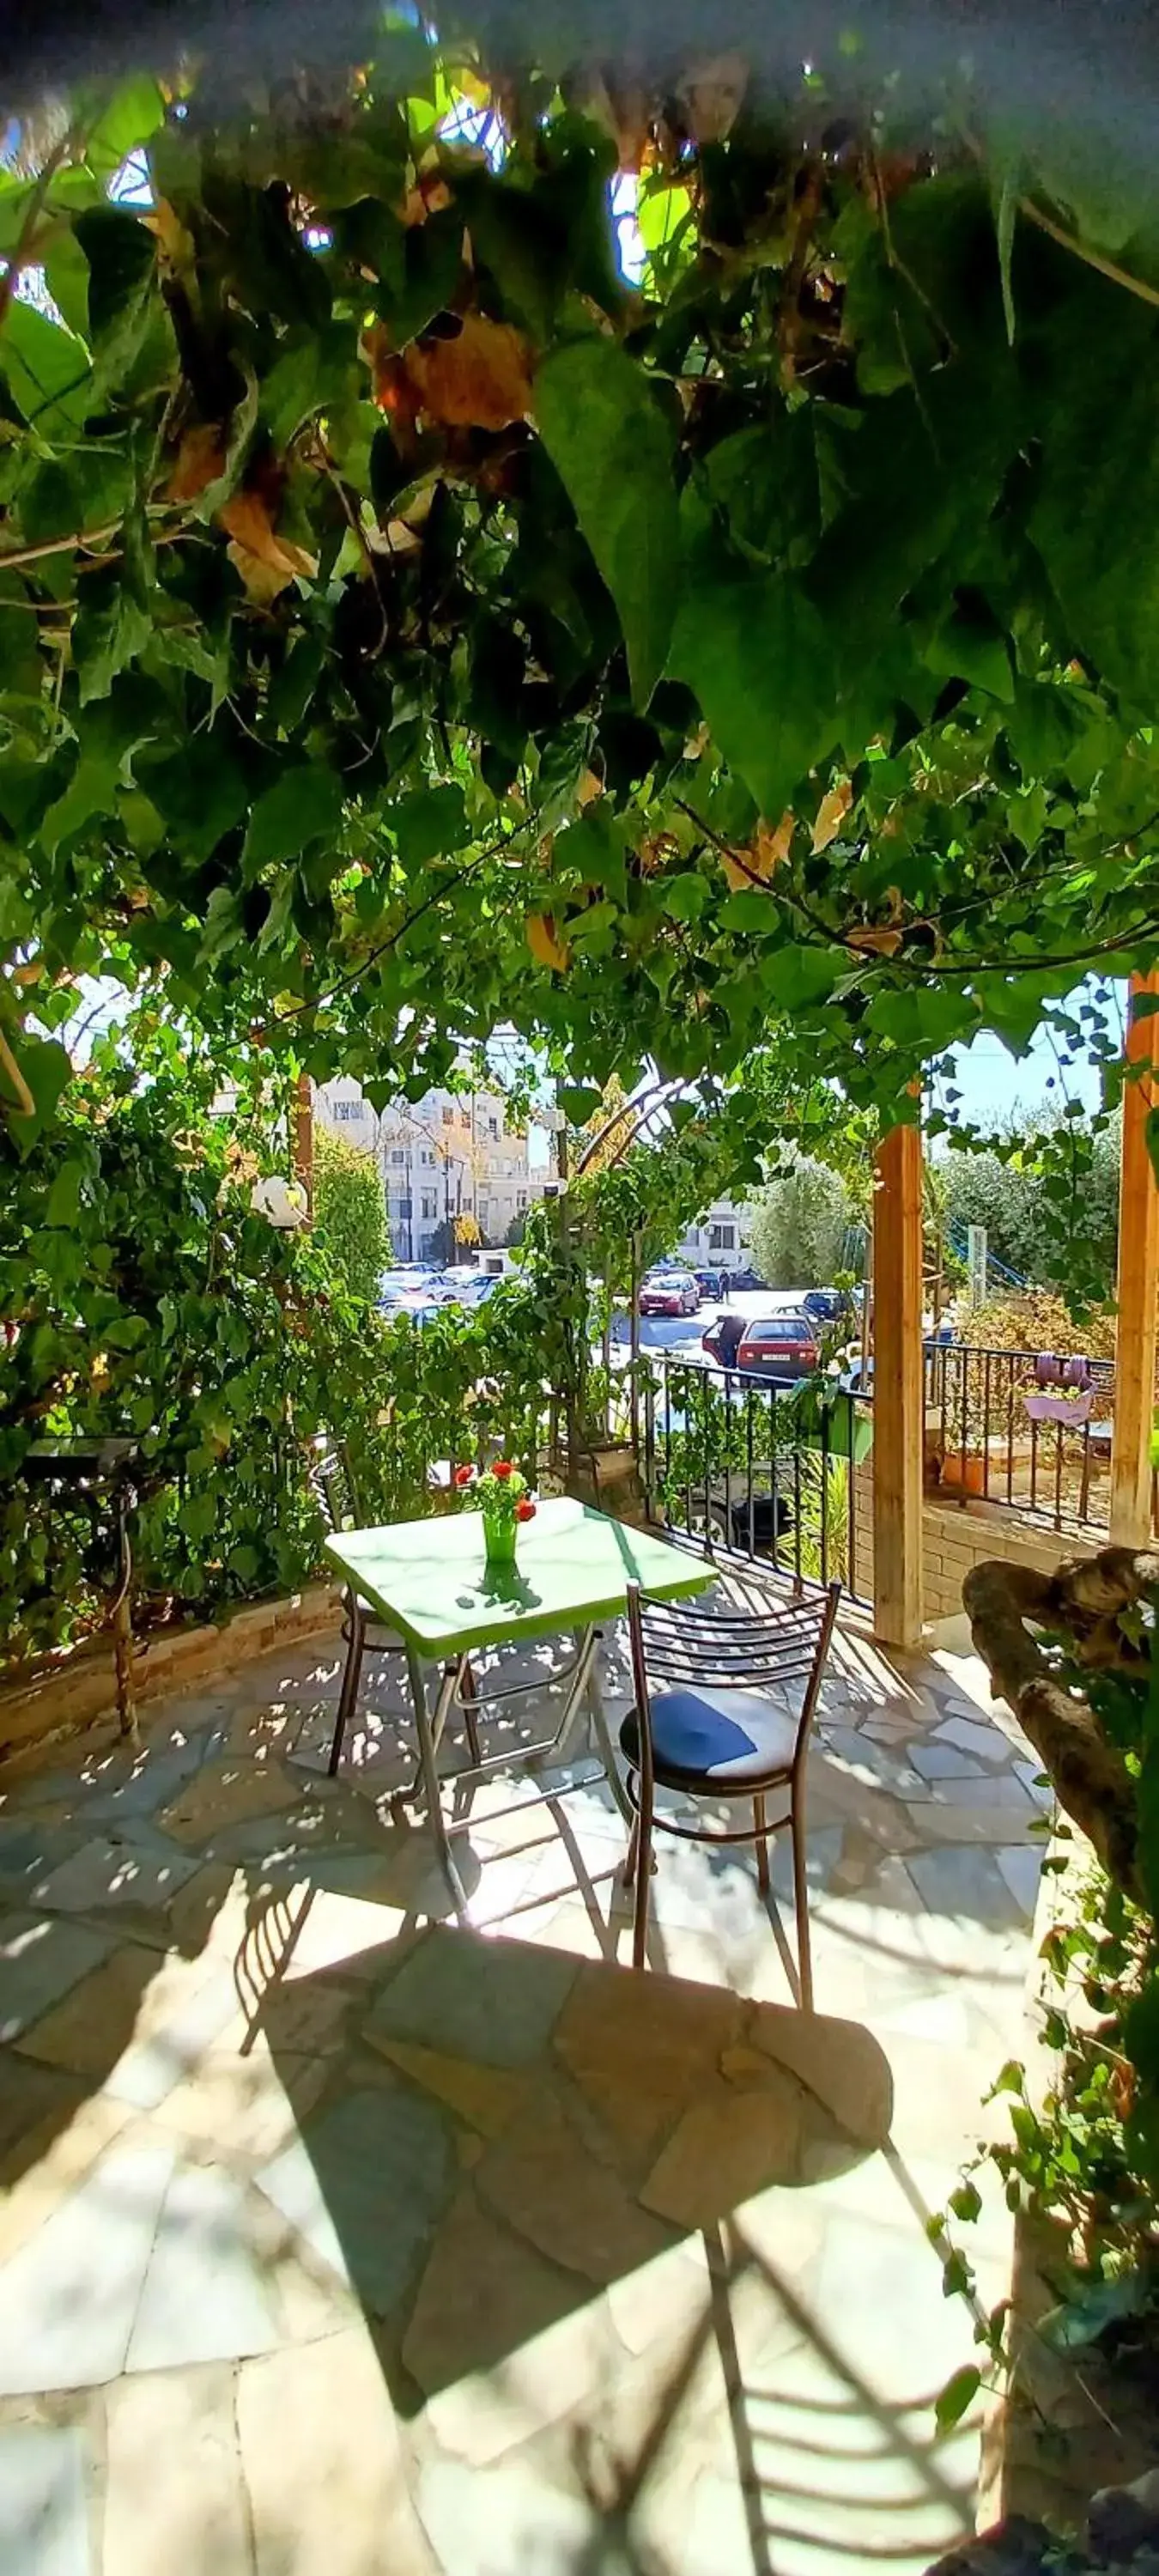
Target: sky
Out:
[993,1082]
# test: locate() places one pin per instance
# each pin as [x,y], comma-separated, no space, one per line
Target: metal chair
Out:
[363,1631]
[716,1735]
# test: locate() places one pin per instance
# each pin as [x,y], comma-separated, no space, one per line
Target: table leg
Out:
[429,1731]
[595,1698]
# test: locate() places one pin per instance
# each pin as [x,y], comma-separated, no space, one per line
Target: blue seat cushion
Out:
[726,1737]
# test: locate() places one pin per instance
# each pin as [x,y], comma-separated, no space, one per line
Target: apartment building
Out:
[721,1239]
[449,1156]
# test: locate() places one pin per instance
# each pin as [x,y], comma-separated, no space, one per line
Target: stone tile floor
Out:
[338,2238]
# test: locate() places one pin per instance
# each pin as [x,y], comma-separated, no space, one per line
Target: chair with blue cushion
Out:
[714,1731]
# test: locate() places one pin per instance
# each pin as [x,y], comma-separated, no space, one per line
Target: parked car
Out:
[722,1339]
[669,1292]
[711,1283]
[779,1346]
[745,1279]
[827,1305]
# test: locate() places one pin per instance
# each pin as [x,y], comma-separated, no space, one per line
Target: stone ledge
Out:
[78,1692]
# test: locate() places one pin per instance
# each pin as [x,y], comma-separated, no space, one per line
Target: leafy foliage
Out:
[800,1223]
[350,1212]
[405,625]
[139,1294]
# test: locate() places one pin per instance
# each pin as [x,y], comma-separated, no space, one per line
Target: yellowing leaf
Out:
[479,380]
[755,865]
[831,814]
[199,460]
[545,947]
[266,561]
[880,942]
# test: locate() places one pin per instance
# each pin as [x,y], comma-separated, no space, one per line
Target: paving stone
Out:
[323,2465]
[28,1851]
[972,1735]
[1021,1867]
[203,2297]
[94,2024]
[167,2050]
[382,2170]
[724,2150]
[486,2522]
[225,1794]
[937,1761]
[68,2299]
[175,2500]
[640,2049]
[32,2099]
[1036,1782]
[496,2002]
[543,2179]
[255,2103]
[43,2510]
[837,2061]
[39,2174]
[966,1883]
[39,1960]
[486,2097]
[870,1761]
[108,1873]
[500,2341]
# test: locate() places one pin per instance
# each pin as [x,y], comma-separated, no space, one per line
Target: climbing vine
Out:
[409,622]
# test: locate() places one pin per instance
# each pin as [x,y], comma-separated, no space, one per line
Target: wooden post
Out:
[1137,1288]
[304,1139]
[897,1389]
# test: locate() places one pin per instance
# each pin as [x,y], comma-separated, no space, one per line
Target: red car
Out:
[673,1292]
[779,1346]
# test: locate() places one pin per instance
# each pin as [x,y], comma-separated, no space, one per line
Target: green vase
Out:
[499,1538]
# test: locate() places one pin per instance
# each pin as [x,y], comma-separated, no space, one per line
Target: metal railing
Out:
[1027,1429]
[752,1468]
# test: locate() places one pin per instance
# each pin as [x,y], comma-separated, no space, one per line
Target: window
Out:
[428,1155]
[521,1198]
[430,1204]
[398,1154]
[722,1238]
[448,1118]
[493,1124]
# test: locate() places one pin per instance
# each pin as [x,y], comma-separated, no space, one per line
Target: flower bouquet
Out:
[500,1494]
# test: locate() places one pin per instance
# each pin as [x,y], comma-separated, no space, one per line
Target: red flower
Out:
[502,1467]
[525,1511]
[464,1475]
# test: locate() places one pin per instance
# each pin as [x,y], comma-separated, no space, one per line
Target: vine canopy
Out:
[425,604]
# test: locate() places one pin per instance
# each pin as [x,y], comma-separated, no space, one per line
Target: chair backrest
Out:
[731,1650]
[333,1484]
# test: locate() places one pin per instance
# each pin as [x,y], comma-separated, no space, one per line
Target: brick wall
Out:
[955,1538]
[81,1688]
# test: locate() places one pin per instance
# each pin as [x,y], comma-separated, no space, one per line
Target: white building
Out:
[451,1156]
[721,1240]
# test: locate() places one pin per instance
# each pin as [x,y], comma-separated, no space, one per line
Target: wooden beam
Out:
[897,1389]
[303,1127]
[1137,1288]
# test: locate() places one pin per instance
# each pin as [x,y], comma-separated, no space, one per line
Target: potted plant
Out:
[499,1493]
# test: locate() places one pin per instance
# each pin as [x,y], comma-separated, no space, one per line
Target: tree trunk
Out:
[1080,1602]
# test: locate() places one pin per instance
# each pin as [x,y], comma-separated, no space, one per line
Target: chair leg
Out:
[801,1899]
[348,1694]
[643,1886]
[633,1853]
[468,1693]
[762,1843]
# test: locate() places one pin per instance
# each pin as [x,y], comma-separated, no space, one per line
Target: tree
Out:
[1048,1198]
[350,1211]
[800,1223]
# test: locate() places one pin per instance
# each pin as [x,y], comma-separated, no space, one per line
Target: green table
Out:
[430,1581]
